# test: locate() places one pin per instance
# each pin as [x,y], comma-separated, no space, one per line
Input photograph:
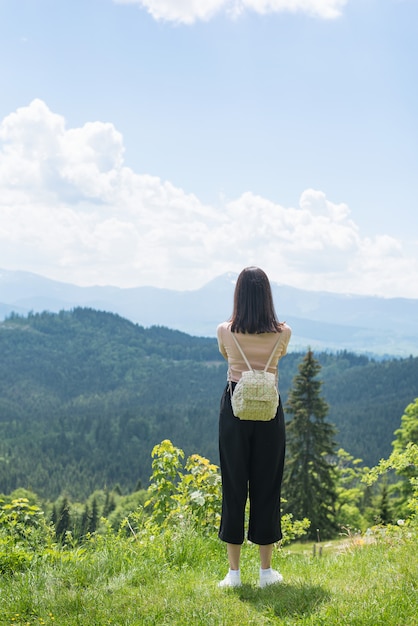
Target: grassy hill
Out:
[85,395]
[171,579]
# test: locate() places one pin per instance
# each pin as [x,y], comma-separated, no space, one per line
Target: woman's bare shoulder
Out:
[223,328]
[286,333]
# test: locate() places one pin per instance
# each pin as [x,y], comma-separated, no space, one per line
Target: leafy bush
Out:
[193,492]
[24,523]
[13,557]
[402,461]
[23,532]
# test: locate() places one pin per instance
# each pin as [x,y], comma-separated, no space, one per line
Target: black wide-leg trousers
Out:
[251,459]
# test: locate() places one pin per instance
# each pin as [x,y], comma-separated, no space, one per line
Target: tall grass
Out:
[171,579]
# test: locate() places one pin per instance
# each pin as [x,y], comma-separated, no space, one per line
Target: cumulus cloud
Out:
[71,210]
[190,11]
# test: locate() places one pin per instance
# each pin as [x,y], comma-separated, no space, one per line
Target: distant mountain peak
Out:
[322,320]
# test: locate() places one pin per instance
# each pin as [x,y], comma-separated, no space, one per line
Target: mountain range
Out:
[85,396]
[322,320]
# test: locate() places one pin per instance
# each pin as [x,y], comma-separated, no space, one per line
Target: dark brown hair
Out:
[253,304]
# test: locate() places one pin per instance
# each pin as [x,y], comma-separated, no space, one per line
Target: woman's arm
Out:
[221,343]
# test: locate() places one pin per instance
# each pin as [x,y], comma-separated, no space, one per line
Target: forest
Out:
[85,395]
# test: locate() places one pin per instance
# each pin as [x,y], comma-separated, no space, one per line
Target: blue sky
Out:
[166,142]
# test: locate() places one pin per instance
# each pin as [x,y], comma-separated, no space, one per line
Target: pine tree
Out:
[309,484]
[85,520]
[63,520]
[94,517]
[54,515]
[109,505]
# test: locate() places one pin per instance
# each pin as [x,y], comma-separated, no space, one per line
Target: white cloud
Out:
[327,9]
[71,210]
[190,11]
[182,11]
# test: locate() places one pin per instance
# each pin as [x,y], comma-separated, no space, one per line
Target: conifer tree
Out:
[94,517]
[309,483]
[85,520]
[54,515]
[63,520]
[109,505]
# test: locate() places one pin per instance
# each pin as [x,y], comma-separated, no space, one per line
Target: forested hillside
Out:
[85,395]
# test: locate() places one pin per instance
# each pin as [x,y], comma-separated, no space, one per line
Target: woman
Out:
[251,452]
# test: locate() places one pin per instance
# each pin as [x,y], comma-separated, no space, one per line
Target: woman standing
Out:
[251,452]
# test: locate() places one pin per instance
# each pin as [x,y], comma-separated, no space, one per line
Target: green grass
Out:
[172,580]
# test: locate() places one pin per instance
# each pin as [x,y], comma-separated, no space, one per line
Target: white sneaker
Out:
[270,578]
[230,580]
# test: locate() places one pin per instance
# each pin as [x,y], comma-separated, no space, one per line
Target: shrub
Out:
[193,493]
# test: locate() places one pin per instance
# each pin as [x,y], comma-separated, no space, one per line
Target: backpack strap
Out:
[242,352]
[245,358]
[272,354]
